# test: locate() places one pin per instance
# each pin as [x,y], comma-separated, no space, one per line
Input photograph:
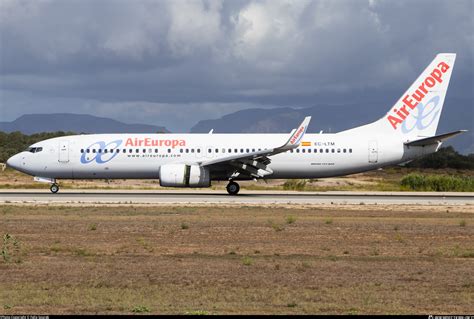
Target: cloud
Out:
[135,56]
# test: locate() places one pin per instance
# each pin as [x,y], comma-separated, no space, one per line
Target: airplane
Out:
[407,131]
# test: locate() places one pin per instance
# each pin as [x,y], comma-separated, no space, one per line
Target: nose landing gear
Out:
[54,188]
[233,188]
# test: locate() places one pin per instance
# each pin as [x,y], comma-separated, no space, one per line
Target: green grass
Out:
[438,183]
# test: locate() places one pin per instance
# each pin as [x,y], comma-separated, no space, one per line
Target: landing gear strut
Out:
[54,188]
[233,188]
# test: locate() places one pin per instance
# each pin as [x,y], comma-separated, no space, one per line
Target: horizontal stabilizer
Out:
[434,139]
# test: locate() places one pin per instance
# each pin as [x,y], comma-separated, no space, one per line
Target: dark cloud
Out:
[176,62]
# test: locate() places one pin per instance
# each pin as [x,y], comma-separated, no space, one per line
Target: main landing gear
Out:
[233,188]
[54,188]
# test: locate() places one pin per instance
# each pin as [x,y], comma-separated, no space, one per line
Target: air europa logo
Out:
[426,113]
[154,142]
[297,135]
[411,101]
[104,152]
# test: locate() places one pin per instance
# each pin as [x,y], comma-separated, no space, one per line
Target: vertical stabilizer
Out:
[416,113]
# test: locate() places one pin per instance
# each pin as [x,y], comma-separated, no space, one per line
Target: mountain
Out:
[330,118]
[79,123]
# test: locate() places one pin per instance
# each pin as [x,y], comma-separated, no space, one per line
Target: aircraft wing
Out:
[255,164]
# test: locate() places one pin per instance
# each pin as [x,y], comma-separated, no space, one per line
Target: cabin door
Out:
[64,151]
[373,152]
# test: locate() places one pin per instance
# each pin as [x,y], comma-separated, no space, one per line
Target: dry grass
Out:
[377,260]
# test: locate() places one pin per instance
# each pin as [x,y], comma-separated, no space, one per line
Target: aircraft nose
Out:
[14,161]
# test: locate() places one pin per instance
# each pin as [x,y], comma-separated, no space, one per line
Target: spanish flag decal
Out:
[306,144]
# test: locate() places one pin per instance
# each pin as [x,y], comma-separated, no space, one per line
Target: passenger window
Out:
[82,150]
[169,150]
[303,150]
[315,150]
[327,150]
[332,150]
[229,150]
[241,150]
[192,150]
[344,150]
[187,150]
[156,150]
[253,150]
[309,150]
[297,150]
[88,151]
[248,151]
[130,150]
[350,150]
[235,150]
[93,151]
[137,150]
[339,150]
[223,150]
[39,149]
[217,150]
[124,150]
[181,150]
[198,150]
[209,150]
[118,150]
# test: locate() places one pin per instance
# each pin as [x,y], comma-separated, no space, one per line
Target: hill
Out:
[80,123]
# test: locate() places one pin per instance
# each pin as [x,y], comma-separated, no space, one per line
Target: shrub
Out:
[295,185]
[140,309]
[437,183]
[247,261]
[290,219]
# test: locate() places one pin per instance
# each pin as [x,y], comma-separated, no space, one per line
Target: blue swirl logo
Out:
[104,152]
[426,115]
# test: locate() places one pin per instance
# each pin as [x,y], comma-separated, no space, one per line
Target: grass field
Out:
[228,260]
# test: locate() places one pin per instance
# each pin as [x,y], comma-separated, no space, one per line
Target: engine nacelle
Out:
[182,175]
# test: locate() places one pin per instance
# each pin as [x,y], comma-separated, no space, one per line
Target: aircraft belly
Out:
[116,170]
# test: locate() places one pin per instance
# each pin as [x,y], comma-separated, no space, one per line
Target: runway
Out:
[221,197]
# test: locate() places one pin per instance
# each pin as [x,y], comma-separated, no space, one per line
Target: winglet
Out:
[296,135]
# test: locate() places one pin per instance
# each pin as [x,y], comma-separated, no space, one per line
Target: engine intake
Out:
[182,175]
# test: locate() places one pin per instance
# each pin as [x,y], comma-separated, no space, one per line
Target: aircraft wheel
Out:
[233,188]
[54,188]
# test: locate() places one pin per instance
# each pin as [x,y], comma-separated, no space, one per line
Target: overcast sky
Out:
[173,63]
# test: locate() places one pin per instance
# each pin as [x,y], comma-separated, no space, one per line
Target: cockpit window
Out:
[34,149]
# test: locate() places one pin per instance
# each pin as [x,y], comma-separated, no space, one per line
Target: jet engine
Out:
[183,175]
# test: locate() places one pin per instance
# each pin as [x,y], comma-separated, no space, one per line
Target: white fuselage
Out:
[142,155]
